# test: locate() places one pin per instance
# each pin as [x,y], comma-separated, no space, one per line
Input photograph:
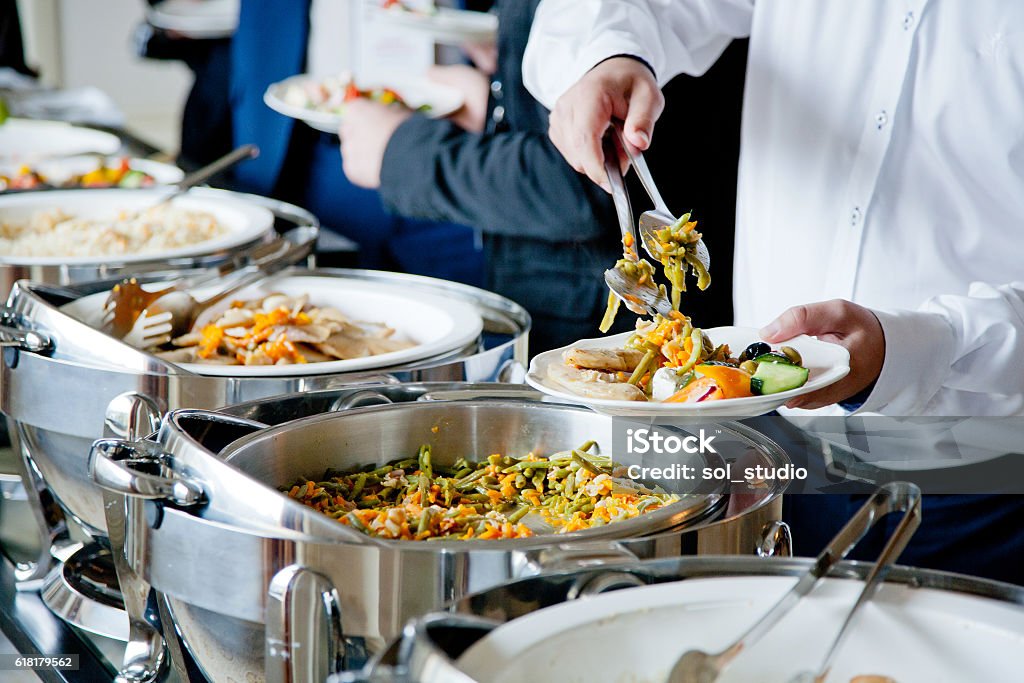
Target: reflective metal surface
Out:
[379,584]
[55,429]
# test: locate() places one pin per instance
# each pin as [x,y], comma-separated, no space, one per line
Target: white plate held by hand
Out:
[416,92]
[827,363]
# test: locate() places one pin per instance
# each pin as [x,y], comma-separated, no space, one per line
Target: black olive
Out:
[754,350]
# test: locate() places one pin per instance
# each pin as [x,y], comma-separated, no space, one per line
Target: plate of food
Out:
[85,227]
[29,141]
[310,325]
[443,24]
[88,171]
[669,367]
[196,18]
[733,372]
[320,102]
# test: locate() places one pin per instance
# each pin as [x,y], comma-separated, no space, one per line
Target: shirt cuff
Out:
[918,353]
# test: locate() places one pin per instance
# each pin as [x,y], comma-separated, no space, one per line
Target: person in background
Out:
[879,201]
[12,46]
[548,234]
[274,40]
[206,117]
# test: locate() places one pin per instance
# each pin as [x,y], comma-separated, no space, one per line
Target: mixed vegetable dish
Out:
[107,174]
[496,498]
[668,359]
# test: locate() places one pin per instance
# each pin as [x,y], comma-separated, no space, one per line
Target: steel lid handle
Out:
[109,467]
[26,340]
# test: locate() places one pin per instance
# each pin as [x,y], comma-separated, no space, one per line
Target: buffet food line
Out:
[240,466]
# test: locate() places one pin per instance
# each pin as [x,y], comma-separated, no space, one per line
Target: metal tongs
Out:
[696,666]
[640,296]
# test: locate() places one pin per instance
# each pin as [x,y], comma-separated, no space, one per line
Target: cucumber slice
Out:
[775,377]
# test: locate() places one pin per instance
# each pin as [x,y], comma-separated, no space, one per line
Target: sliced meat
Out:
[594,384]
[624,360]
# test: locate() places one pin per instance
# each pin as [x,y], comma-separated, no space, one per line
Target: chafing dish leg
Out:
[50,522]
[133,416]
[304,640]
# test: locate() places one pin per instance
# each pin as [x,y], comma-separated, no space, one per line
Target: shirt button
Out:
[855,216]
[881,118]
[498,114]
[496,89]
[908,21]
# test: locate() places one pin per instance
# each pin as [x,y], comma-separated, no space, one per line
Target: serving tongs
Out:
[639,294]
[141,317]
[660,217]
[697,666]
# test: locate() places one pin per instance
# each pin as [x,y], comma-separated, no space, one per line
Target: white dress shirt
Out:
[882,161]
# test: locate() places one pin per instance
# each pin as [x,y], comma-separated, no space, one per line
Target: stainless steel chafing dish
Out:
[237,592]
[13,269]
[58,401]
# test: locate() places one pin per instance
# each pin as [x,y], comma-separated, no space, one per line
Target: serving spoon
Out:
[643,298]
[660,217]
[697,666]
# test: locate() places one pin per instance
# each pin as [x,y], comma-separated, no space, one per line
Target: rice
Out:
[54,233]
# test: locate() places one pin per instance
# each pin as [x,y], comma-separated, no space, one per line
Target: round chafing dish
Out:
[13,268]
[186,524]
[707,602]
[123,392]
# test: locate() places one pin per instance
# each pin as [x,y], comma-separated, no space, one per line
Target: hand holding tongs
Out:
[696,666]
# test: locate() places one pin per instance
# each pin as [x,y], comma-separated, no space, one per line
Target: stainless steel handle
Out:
[206,172]
[896,497]
[423,657]
[26,340]
[623,211]
[643,172]
[108,461]
[893,497]
[300,647]
[776,540]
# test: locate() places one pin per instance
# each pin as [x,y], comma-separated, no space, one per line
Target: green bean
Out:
[357,488]
[357,523]
[424,521]
[642,367]
[425,465]
[518,514]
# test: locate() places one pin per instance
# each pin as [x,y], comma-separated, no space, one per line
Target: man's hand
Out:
[840,322]
[365,131]
[475,87]
[620,88]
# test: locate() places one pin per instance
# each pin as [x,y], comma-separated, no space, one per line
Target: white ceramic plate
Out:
[415,91]
[245,222]
[196,18]
[913,635]
[449,26]
[828,363]
[62,168]
[28,141]
[436,324]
